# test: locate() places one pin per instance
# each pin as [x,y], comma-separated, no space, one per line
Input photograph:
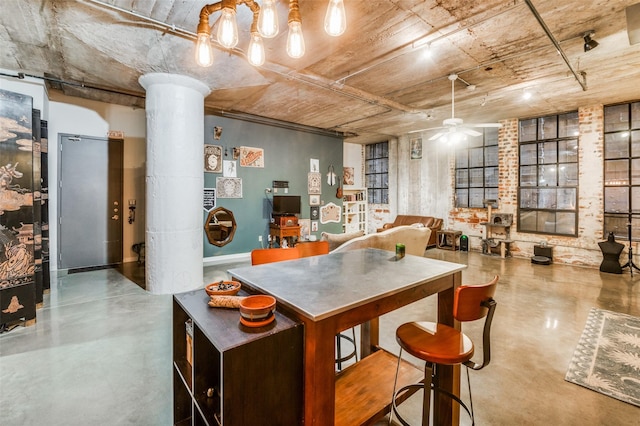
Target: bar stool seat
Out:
[439,344]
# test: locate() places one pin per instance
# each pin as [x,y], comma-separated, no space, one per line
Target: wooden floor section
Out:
[363,390]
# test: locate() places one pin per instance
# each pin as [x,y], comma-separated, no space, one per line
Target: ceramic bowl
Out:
[223,288]
[258,307]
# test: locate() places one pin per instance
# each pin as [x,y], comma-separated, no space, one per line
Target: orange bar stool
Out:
[440,344]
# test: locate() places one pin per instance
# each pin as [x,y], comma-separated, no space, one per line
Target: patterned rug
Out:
[607,358]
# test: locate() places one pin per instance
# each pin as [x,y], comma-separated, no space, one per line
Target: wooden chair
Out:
[313,248]
[268,255]
[440,344]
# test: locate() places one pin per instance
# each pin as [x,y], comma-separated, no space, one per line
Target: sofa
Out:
[433,223]
[414,239]
[335,240]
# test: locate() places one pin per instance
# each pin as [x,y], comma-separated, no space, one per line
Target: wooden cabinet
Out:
[227,374]
[354,210]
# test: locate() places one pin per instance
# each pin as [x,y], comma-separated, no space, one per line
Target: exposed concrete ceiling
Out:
[372,83]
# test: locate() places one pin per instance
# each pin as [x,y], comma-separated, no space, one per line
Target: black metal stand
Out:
[630,263]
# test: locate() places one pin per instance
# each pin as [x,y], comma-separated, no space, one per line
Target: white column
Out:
[174,182]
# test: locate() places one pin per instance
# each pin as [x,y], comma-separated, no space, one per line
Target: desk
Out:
[281,232]
[337,291]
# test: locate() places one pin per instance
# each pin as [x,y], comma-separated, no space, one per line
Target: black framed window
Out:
[548,178]
[377,172]
[622,169]
[477,169]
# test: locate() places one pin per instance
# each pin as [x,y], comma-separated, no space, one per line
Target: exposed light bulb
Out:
[255,55]
[228,28]
[335,21]
[295,40]
[204,51]
[268,19]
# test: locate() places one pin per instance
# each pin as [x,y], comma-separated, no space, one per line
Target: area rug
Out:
[607,358]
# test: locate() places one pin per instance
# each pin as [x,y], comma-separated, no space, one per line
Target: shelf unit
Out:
[227,374]
[354,210]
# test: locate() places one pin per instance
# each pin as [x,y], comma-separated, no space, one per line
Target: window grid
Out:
[377,172]
[476,177]
[622,170]
[548,175]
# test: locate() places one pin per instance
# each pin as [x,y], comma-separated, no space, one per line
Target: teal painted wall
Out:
[287,155]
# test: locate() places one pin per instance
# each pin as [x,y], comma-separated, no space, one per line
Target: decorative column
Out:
[174,182]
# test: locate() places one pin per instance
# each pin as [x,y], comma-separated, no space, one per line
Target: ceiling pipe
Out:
[581,78]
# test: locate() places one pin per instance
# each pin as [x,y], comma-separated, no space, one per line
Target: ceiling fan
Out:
[455,125]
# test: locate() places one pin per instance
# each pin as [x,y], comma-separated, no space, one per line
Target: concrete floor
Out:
[100,352]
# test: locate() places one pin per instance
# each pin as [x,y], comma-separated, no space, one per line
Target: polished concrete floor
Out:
[100,352]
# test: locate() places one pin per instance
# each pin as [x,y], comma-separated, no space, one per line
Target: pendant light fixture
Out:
[335,21]
[264,24]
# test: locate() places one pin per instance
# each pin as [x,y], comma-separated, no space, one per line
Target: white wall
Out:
[70,115]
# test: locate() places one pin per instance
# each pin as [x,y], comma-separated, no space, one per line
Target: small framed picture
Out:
[314,200]
[314,212]
[314,226]
[213,158]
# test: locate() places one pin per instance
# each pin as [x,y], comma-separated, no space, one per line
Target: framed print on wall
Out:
[251,157]
[314,200]
[228,187]
[213,158]
[330,213]
[416,148]
[230,169]
[314,181]
[314,212]
[314,226]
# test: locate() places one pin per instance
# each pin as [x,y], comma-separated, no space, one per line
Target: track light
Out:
[588,42]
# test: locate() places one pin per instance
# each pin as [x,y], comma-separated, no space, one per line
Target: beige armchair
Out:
[414,239]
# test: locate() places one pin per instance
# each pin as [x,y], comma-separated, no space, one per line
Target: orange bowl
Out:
[258,307]
[223,288]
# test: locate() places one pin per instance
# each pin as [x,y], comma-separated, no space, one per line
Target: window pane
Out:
[616,172]
[384,194]
[616,199]
[528,221]
[635,143]
[476,157]
[567,198]
[527,130]
[476,196]
[635,115]
[616,145]
[474,141]
[462,198]
[565,223]
[635,171]
[547,199]
[547,222]
[635,199]
[568,151]
[568,125]
[491,194]
[491,136]
[462,158]
[568,175]
[547,175]
[547,127]
[528,154]
[462,178]
[616,117]
[528,198]
[476,178]
[491,156]
[547,153]
[528,176]
[491,176]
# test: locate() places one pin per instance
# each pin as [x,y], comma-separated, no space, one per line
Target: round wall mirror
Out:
[220,226]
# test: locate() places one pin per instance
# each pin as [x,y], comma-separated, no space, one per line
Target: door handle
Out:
[115,217]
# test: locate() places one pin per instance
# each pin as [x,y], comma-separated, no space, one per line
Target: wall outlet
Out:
[260,238]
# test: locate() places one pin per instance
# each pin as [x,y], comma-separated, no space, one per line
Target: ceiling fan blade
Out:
[496,125]
[437,136]
[469,132]
[424,130]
